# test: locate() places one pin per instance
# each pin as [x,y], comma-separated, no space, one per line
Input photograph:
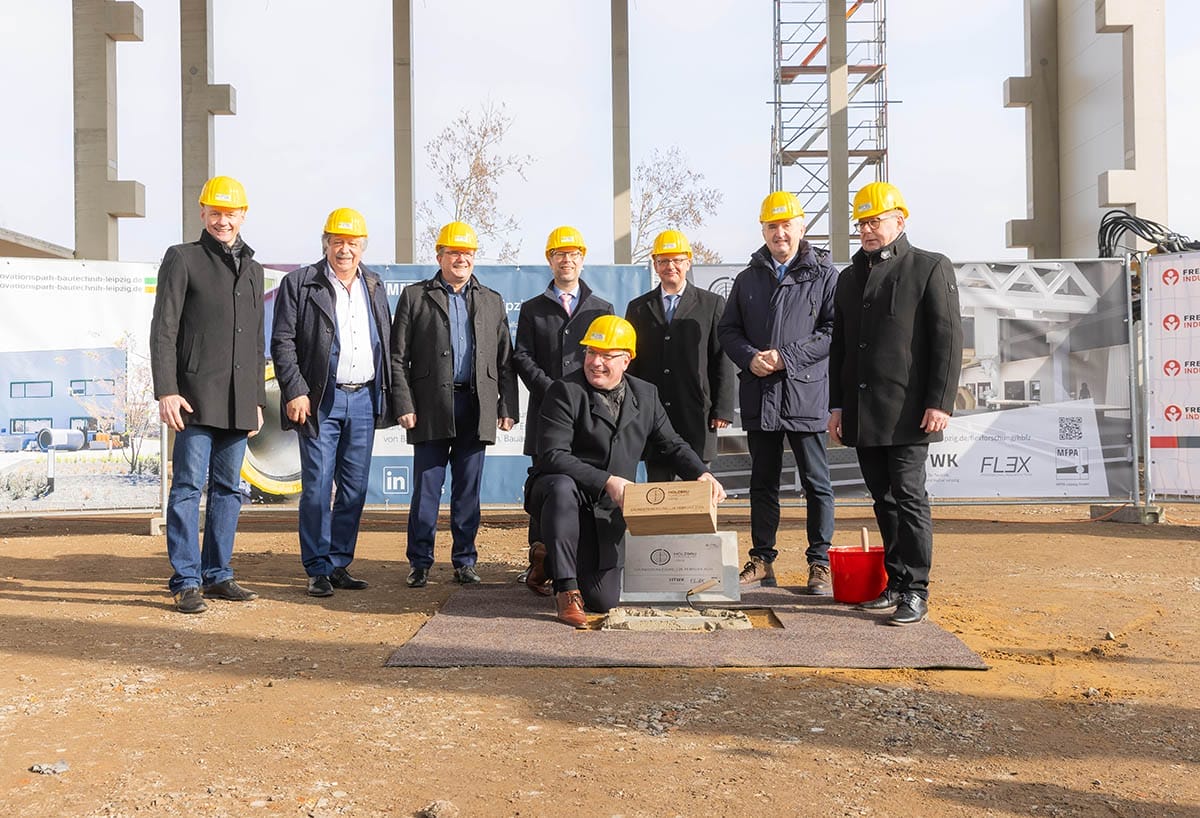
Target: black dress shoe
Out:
[887,600]
[340,578]
[417,577]
[189,601]
[229,590]
[319,586]
[911,610]
[467,575]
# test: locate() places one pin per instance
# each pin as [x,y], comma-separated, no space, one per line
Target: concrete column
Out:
[1141,185]
[200,101]
[837,80]
[622,178]
[402,119]
[100,199]
[1037,93]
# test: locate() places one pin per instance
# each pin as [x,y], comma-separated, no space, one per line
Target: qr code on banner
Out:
[1070,428]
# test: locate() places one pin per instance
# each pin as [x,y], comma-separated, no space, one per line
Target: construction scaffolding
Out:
[829,137]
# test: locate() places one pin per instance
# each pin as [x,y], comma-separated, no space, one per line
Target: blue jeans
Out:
[217,453]
[340,454]
[464,454]
[766,465]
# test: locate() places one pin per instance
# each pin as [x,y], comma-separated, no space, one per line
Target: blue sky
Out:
[314,123]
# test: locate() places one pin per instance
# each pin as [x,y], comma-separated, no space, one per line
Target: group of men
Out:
[810,351]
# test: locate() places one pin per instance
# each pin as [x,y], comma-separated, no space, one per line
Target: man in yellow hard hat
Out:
[330,348]
[207,354]
[585,458]
[776,329]
[894,365]
[549,327]
[453,386]
[679,352]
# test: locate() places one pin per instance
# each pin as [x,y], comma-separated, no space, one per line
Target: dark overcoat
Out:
[579,439]
[207,334]
[794,316]
[548,346]
[897,344]
[423,367]
[305,348]
[685,361]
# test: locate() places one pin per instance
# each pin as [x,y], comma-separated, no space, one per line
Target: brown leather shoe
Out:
[820,583]
[536,577]
[570,608]
[760,571]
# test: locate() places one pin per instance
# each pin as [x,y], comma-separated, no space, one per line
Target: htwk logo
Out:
[395,479]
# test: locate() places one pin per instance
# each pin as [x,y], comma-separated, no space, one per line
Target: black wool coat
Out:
[423,368]
[548,347]
[897,344]
[579,439]
[207,334]
[685,361]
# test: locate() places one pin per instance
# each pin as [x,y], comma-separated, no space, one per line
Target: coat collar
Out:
[805,265]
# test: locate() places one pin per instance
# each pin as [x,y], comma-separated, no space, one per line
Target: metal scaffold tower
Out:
[830,132]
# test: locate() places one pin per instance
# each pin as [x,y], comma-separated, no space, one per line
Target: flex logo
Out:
[1013,464]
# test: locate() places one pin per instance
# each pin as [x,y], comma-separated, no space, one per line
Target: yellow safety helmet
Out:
[564,236]
[223,191]
[611,332]
[779,207]
[346,222]
[876,198]
[671,241]
[459,236]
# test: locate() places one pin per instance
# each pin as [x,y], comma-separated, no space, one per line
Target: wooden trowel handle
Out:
[865,544]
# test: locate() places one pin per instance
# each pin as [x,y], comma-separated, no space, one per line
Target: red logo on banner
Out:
[1170,276]
[1172,368]
[1170,322]
[1173,413]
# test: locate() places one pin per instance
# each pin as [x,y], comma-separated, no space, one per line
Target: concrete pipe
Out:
[61,440]
[272,464]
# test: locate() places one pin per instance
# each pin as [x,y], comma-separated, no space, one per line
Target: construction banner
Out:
[1171,318]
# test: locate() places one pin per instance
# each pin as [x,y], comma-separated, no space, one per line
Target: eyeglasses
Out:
[559,255]
[875,222]
[605,356]
[467,254]
[671,262]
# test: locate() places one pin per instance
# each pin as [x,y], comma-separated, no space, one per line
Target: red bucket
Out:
[858,575]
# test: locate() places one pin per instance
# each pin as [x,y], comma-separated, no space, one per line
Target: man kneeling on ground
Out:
[594,427]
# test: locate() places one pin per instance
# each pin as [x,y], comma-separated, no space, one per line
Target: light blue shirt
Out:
[462,333]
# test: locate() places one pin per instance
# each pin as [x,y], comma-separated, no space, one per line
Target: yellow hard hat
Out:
[346,222]
[223,191]
[459,236]
[671,241]
[876,198]
[779,207]
[611,332]
[564,236]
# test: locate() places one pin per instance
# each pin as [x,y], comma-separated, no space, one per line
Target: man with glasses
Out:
[452,387]
[678,351]
[329,345]
[595,426]
[776,330]
[894,364]
[549,327]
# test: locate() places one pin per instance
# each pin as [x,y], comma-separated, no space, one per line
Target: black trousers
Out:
[812,465]
[568,528]
[895,476]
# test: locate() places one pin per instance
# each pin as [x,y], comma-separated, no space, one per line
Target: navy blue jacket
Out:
[794,316]
[304,343]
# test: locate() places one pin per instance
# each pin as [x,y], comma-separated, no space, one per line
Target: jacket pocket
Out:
[191,355]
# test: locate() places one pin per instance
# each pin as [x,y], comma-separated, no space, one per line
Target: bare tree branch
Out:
[669,194]
[468,166]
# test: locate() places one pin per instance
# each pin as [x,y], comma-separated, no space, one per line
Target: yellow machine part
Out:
[272,463]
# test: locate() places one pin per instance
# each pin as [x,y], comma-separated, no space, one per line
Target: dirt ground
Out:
[283,705]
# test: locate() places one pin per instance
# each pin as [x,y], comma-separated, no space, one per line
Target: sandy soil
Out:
[283,706]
